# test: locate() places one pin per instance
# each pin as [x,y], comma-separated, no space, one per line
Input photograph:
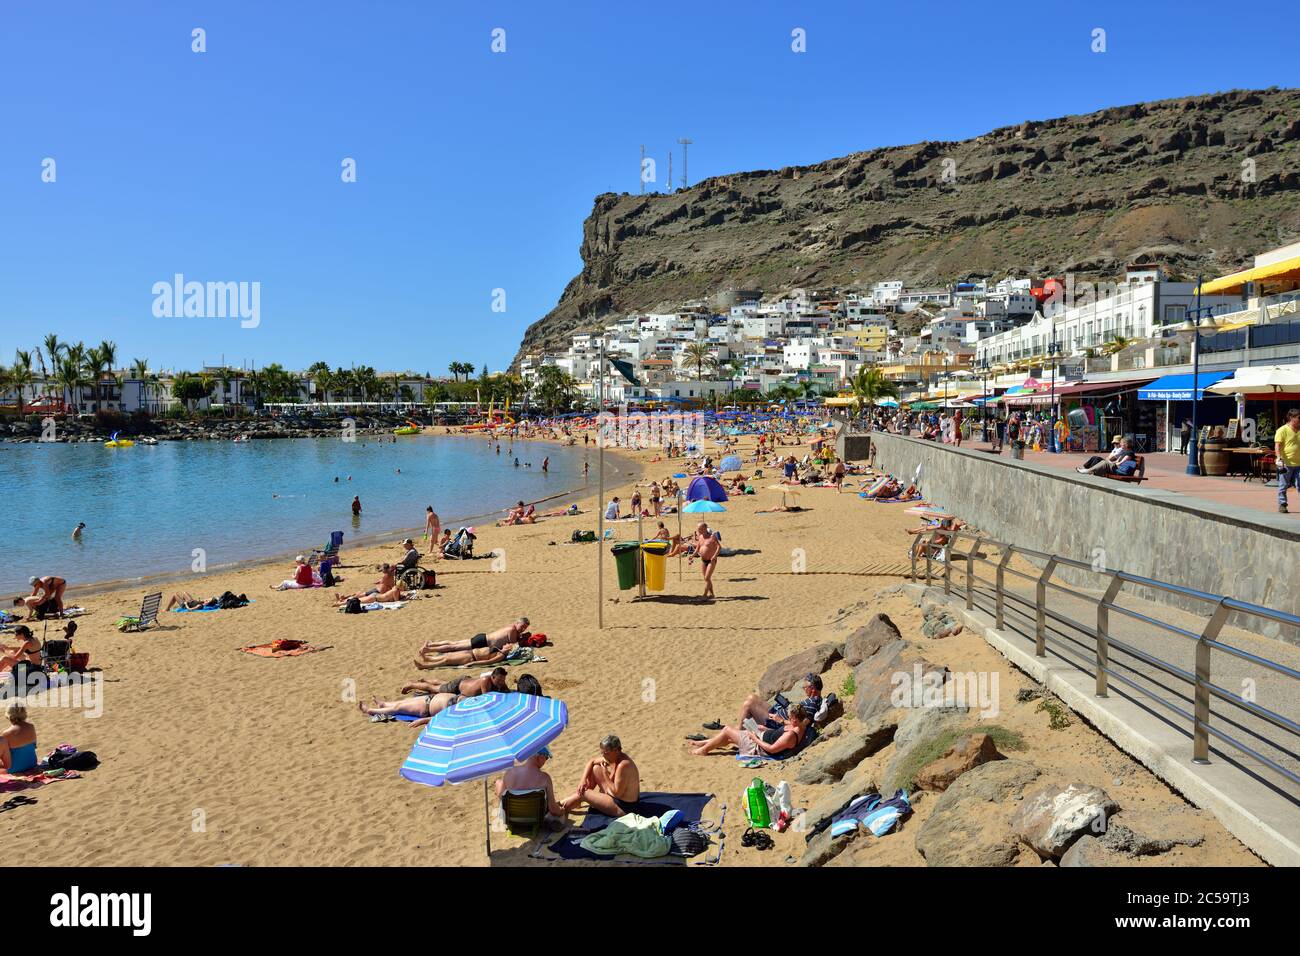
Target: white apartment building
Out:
[886,293]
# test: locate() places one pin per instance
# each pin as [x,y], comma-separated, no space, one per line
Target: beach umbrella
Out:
[730,463]
[703,504]
[482,735]
[1260,380]
[705,488]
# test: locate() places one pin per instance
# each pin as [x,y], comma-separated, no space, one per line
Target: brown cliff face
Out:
[1162,181]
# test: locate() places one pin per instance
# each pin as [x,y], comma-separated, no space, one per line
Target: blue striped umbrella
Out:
[481,735]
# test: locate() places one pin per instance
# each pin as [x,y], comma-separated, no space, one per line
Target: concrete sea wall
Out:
[1249,555]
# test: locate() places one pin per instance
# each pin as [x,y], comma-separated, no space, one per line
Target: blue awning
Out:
[1178,388]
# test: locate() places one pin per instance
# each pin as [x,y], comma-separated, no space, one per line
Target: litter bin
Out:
[655,563]
[625,558]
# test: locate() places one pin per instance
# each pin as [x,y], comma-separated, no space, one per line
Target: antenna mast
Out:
[686,145]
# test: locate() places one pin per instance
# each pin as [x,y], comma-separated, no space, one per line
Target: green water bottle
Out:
[756,797]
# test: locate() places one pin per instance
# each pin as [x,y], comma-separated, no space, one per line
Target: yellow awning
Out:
[1286,269]
[839,401]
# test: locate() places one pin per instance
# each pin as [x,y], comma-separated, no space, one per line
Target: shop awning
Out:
[1075,389]
[1286,269]
[1178,388]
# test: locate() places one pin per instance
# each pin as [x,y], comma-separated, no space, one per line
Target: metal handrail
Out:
[941,544]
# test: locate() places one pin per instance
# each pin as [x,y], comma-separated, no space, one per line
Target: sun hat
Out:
[300,559]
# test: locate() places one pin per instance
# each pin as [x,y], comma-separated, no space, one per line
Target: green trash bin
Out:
[625,559]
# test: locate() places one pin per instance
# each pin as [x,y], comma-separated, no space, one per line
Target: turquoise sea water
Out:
[148,508]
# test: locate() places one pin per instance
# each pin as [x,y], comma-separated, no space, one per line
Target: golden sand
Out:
[211,756]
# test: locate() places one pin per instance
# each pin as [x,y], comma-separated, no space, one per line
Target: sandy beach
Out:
[215,757]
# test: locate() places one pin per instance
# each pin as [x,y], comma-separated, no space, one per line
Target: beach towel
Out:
[281,649]
[196,610]
[894,501]
[10,782]
[872,812]
[632,833]
[389,606]
[690,805]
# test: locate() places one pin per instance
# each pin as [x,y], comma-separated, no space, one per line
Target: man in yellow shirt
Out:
[1286,443]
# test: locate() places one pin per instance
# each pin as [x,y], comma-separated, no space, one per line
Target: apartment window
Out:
[1174,313]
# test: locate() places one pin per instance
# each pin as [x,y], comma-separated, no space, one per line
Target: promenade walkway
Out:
[1167,472]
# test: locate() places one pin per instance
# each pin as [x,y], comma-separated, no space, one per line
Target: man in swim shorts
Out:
[611,784]
[510,634]
[707,548]
[462,687]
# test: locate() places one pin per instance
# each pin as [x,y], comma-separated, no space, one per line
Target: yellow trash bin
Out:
[655,564]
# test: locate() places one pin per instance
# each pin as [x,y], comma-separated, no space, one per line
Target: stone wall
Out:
[1249,555]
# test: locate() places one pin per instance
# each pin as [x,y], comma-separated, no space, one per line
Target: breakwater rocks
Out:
[148,431]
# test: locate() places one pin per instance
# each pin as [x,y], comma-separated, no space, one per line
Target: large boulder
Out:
[869,638]
[855,744]
[969,825]
[1055,815]
[966,754]
[788,673]
[916,724]
[887,675]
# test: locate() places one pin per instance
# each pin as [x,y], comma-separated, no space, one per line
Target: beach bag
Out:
[430,579]
[687,842]
[81,760]
[327,576]
[582,537]
[353,606]
[757,809]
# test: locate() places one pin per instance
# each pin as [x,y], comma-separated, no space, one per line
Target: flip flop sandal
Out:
[696,737]
[757,839]
[713,725]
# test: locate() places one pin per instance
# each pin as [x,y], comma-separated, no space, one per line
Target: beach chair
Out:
[331,549]
[56,654]
[524,811]
[148,613]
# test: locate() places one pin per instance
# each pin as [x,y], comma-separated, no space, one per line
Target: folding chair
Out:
[331,549]
[524,811]
[55,654]
[148,612]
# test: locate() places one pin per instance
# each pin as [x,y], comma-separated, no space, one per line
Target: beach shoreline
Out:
[615,460]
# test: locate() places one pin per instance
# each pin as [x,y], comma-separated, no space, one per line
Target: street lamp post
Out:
[1053,349]
[1193,466]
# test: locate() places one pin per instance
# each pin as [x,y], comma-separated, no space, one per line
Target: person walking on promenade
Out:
[1286,444]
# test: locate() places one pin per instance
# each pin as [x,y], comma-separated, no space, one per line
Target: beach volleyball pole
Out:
[600,494]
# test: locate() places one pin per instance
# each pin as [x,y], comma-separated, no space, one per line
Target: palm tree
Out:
[319,373]
[697,354]
[870,384]
[1117,344]
[70,378]
[96,366]
[53,350]
[140,369]
[21,376]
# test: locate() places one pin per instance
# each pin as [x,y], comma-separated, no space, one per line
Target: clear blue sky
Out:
[475,169]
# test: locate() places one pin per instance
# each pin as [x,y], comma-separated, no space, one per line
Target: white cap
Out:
[300,559]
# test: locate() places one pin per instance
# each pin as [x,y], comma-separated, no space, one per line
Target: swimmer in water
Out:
[76,532]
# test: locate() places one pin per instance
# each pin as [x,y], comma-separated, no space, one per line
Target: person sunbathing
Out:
[18,742]
[303,577]
[510,634]
[781,507]
[611,783]
[385,590]
[29,649]
[772,741]
[465,686]
[423,706]
[889,489]
[479,655]
[514,516]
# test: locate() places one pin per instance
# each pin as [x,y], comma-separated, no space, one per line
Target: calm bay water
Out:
[147,508]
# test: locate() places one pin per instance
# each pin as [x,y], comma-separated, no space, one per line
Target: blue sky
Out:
[475,169]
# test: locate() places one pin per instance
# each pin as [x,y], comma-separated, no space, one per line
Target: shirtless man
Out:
[433,526]
[611,784]
[47,591]
[510,634]
[461,686]
[385,589]
[707,547]
[529,775]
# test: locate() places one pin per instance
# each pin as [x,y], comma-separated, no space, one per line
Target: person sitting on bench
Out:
[1121,461]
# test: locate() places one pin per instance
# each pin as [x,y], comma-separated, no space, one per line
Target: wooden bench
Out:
[1137,477]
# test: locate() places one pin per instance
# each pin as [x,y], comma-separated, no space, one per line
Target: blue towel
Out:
[196,610]
[691,806]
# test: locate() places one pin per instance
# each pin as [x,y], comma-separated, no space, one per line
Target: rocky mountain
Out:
[1200,184]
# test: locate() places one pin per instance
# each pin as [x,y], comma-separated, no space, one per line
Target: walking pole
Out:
[600,494]
[679,535]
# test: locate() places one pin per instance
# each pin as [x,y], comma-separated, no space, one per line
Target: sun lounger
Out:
[148,613]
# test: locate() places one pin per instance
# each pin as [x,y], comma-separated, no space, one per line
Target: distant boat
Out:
[148,441]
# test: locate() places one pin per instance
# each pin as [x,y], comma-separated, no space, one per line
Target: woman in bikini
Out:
[479,655]
[29,650]
[423,707]
[771,741]
[461,687]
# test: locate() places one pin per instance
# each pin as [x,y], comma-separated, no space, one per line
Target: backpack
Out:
[81,760]
[327,576]
[580,537]
[353,606]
